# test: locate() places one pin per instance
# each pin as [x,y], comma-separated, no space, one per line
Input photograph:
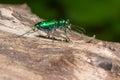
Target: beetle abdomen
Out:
[48,25]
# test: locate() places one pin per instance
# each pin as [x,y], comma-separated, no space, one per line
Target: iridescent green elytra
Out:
[51,25]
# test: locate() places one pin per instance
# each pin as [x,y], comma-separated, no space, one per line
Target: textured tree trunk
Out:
[37,58]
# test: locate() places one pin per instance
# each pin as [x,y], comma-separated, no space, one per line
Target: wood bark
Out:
[37,58]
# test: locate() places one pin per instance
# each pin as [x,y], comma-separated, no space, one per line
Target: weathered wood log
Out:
[37,58]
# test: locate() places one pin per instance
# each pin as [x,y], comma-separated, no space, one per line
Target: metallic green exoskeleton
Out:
[52,25]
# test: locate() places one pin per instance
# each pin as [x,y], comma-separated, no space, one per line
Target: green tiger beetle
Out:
[52,25]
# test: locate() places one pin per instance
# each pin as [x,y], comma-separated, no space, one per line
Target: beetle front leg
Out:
[67,38]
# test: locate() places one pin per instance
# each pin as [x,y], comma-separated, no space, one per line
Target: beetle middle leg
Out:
[49,34]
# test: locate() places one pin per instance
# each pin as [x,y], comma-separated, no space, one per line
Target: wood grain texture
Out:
[37,58]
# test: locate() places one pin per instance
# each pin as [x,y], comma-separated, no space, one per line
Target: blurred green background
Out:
[97,17]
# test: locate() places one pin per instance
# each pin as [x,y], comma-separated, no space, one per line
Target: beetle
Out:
[52,25]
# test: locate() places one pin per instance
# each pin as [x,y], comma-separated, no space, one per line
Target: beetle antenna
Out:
[78,28]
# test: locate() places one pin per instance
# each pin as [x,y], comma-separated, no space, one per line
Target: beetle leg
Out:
[65,32]
[52,32]
[48,33]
